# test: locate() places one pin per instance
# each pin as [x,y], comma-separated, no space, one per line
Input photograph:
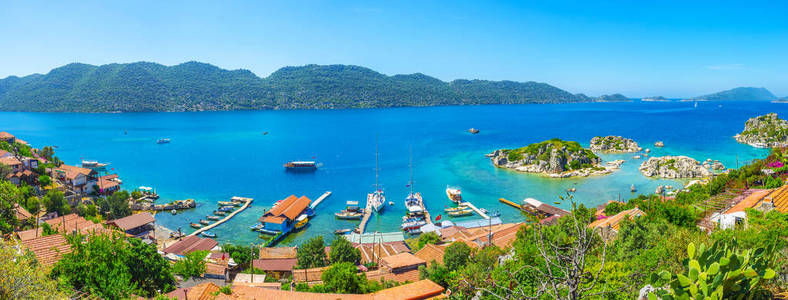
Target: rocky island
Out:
[613,143]
[673,167]
[765,131]
[553,158]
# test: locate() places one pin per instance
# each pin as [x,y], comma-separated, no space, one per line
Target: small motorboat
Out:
[195,225]
[268,231]
[219,213]
[454,194]
[633,188]
[391,202]
[456,208]
[265,133]
[205,222]
[256,227]
[173,211]
[351,212]
[208,234]
[473,130]
[461,213]
[227,208]
[214,218]
[301,221]
[163,141]
[343,231]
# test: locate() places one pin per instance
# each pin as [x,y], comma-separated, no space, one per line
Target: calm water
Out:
[216,155]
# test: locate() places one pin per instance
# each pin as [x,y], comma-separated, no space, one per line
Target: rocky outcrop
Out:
[673,167]
[554,158]
[765,131]
[613,143]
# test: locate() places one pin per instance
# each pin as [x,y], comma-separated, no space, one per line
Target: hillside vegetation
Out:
[195,86]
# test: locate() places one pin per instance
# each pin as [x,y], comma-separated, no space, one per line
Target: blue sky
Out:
[638,48]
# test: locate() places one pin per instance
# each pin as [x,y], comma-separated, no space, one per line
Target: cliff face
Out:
[612,143]
[765,131]
[553,157]
[673,167]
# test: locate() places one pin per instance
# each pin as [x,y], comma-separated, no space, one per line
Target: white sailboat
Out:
[413,201]
[377,199]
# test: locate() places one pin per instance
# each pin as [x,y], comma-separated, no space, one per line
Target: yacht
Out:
[454,194]
[376,199]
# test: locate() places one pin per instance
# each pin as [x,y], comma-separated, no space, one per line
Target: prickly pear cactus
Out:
[717,272]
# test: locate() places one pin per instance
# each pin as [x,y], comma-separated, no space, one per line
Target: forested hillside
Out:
[195,86]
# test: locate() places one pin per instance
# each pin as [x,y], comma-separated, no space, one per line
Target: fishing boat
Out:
[351,212]
[461,213]
[208,234]
[456,208]
[301,221]
[301,165]
[205,222]
[343,231]
[454,194]
[256,227]
[377,199]
[94,165]
[195,225]
[163,141]
[214,218]
[219,213]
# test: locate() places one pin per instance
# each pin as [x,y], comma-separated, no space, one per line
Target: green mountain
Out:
[195,86]
[740,93]
[612,98]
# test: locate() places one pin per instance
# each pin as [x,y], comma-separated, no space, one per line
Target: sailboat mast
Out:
[411,169]
[377,187]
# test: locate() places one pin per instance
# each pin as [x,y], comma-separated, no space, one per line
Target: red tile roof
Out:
[277,264]
[278,252]
[10,161]
[411,275]
[65,224]
[289,208]
[72,172]
[430,253]
[189,244]
[400,260]
[273,220]
[6,136]
[48,249]
[133,221]
[371,252]
[21,212]
[422,289]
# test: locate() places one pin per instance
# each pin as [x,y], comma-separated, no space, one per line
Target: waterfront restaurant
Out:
[282,217]
[134,225]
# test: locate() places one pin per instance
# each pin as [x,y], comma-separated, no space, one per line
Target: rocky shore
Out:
[673,167]
[614,144]
[553,158]
[765,131]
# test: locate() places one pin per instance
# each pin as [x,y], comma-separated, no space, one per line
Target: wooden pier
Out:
[320,199]
[228,217]
[426,213]
[510,203]
[365,219]
[473,207]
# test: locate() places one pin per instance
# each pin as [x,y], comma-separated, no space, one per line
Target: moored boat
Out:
[214,218]
[454,194]
[343,231]
[473,130]
[163,141]
[461,213]
[229,203]
[301,221]
[195,225]
[219,213]
[256,227]
[351,212]
[205,222]
[456,208]
[208,234]
[376,199]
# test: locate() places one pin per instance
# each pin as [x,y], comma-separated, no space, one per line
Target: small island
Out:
[767,131]
[673,167]
[614,144]
[655,99]
[553,158]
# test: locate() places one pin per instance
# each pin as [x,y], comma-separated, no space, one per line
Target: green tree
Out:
[111,266]
[344,278]
[55,201]
[5,171]
[436,272]
[10,195]
[242,255]
[44,180]
[456,255]
[312,254]
[192,265]
[428,238]
[343,251]
[115,206]
[33,205]
[22,278]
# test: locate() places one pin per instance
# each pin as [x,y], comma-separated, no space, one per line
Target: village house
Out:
[608,227]
[108,184]
[763,200]
[277,262]
[402,267]
[190,244]
[47,249]
[11,161]
[282,217]
[80,180]
[25,176]
[64,224]
[4,153]
[374,252]
[136,225]
[7,137]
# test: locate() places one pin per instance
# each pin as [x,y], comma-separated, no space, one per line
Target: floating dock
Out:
[248,201]
[510,203]
[474,208]
[426,213]
[365,219]
[320,199]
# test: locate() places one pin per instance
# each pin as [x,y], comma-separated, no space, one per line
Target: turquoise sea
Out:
[216,155]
